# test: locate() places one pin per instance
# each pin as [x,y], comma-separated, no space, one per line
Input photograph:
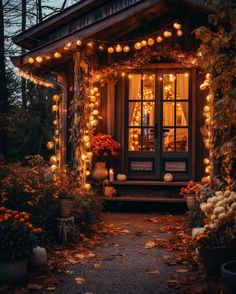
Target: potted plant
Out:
[217,243]
[190,193]
[105,150]
[18,238]
[66,205]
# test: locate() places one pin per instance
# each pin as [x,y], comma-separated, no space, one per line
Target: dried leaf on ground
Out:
[79,280]
[51,288]
[155,272]
[34,286]
[97,266]
[150,244]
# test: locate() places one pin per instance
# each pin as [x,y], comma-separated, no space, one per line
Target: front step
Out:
[156,189]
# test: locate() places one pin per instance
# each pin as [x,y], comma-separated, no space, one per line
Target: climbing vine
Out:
[218,59]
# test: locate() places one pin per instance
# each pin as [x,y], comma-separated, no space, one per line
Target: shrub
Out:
[17,234]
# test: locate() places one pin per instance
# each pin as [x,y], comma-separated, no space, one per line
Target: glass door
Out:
[158,124]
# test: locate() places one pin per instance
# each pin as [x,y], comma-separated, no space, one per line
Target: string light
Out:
[56,98]
[138,46]
[39,59]
[110,50]
[179,33]
[150,41]
[118,48]
[50,145]
[159,39]
[177,26]
[79,42]
[144,43]
[57,54]
[31,60]
[34,79]
[126,49]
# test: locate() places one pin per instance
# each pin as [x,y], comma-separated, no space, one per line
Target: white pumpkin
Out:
[168,177]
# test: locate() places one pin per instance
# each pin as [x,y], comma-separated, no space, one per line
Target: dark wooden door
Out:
[158,124]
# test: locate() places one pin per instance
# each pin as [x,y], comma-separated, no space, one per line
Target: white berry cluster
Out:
[220,209]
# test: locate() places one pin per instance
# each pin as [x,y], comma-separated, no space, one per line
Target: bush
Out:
[87,212]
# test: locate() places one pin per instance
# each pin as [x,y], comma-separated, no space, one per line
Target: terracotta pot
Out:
[12,272]
[213,258]
[100,171]
[228,274]
[66,207]
[191,201]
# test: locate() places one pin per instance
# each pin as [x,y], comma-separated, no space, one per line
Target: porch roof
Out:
[120,19]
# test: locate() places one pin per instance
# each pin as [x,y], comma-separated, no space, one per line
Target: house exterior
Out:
[140,55]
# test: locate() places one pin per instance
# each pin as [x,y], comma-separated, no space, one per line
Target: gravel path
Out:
[125,266]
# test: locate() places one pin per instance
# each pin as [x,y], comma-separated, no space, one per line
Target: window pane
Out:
[182,113]
[148,87]
[134,113]
[148,139]
[169,86]
[135,87]
[168,140]
[181,139]
[168,113]
[134,139]
[182,86]
[148,113]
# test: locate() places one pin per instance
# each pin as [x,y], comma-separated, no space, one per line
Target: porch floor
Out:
[148,183]
[144,199]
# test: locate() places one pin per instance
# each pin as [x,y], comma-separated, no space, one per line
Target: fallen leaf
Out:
[153,220]
[182,270]
[97,266]
[34,287]
[80,256]
[79,280]
[51,288]
[125,232]
[150,244]
[155,272]
[88,292]
[91,255]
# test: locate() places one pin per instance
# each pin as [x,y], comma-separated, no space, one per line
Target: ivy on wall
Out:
[218,59]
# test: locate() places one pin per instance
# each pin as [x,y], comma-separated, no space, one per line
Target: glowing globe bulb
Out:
[110,50]
[57,54]
[179,33]
[39,59]
[50,145]
[56,98]
[159,39]
[144,43]
[138,46]
[150,41]
[177,26]
[87,187]
[31,60]
[79,42]
[126,49]
[55,107]
[53,159]
[118,48]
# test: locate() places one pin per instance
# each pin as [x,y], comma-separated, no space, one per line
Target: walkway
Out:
[128,262]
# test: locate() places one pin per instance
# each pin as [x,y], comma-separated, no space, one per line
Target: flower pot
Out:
[100,171]
[66,207]
[191,201]
[228,274]
[213,258]
[12,272]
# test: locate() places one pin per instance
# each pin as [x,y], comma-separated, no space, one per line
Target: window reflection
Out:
[134,139]
[181,139]
[182,86]
[168,114]
[135,87]
[134,113]
[182,113]
[148,139]
[148,87]
[169,140]
[169,86]
[148,114]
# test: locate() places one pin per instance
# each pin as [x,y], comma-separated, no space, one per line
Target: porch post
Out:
[111,107]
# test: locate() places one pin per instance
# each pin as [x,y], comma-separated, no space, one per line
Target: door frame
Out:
[161,156]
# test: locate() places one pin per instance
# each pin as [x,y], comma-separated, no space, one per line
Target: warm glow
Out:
[31,60]
[57,54]
[167,34]
[90,44]
[144,43]
[159,39]
[53,167]
[53,159]
[110,50]
[56,98]
[177,26]
[118,48]
[126,49]
[79,42]
[87,186]
[179,33]
[206,161]
[138,46]
[55,107]
[150,41]
[50,145]
[39,59]
[67,46]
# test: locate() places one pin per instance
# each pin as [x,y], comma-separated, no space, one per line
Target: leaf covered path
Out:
[127,261]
